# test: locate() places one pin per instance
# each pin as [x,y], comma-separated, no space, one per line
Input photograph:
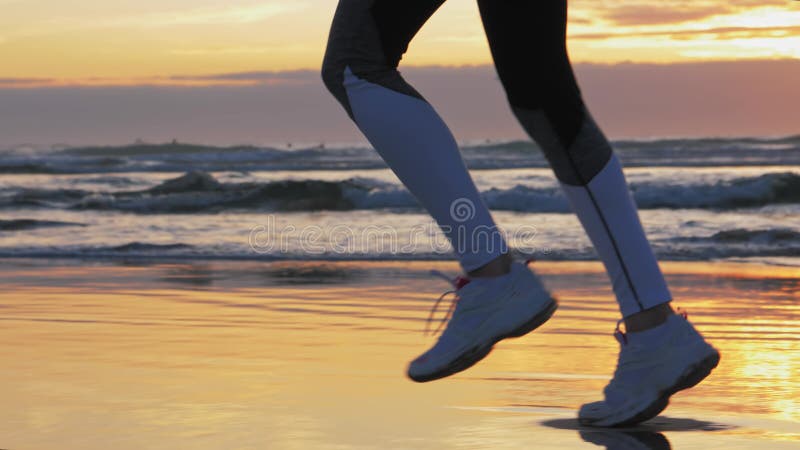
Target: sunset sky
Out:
[87,39]
[204,43]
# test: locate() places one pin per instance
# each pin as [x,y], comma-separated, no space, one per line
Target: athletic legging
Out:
[528,43]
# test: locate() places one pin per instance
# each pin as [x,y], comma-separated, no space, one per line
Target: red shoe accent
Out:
[460,281]
[619,335]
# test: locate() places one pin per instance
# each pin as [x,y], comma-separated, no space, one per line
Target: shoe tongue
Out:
[482,288]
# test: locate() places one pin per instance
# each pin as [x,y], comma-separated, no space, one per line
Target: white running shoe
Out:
[649,373]
[485,311]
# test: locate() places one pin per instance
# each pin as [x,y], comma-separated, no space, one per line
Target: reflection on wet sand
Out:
[631,440]
[647,436]
[312,355]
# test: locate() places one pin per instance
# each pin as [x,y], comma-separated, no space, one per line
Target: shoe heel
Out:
[698,372]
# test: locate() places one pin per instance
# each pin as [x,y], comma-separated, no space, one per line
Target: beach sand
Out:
[291,355]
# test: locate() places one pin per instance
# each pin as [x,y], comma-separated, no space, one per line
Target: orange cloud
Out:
[674,12]
[660,14]
[718,33]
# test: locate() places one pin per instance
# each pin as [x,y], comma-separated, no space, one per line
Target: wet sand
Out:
[312,355]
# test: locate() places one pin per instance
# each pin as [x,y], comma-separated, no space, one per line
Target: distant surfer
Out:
[661,352]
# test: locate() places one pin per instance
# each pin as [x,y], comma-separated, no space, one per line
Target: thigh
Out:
[398,21]
[376,32]
[528,43]
[370,37]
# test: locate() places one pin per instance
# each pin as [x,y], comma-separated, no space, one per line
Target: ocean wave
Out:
[24,167]
[173,148]
[734,243]
[772,236]
[140,247]
[676,249]
[41,198]
[30,224]
[180,157]
[129,250]
[112,180]
[201,192]
[762,190]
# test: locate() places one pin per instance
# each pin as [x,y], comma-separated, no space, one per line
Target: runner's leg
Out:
[528,44]
[665,354]
[366,43]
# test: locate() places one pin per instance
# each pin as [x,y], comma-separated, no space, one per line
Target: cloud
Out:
[718,33]
[632,13]
[661,14]
[229,15]
[629,100]
[265,78]
[18,82]
[295,77]
[210,16]
[200,16]
[242,50]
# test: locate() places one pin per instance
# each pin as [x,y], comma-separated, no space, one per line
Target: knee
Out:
[332,75]
[336,71]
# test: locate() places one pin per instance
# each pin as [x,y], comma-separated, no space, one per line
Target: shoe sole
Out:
[690,378]
[473,356]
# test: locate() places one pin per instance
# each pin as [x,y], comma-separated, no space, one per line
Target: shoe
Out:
[485,311]
[649,373]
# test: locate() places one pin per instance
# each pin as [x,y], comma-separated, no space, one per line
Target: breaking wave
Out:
[178,157]
[201,192]
[30,224]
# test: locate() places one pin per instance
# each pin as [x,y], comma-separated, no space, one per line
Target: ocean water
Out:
[700,199]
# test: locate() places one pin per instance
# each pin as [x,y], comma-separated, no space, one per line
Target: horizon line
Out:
[257,77]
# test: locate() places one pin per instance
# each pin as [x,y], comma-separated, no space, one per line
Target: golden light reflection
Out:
[303,355]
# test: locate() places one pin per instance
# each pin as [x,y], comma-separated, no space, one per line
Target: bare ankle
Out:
[649,318]
[494,268]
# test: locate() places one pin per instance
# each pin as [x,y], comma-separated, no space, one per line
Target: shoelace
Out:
[457,283]
[622,337]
